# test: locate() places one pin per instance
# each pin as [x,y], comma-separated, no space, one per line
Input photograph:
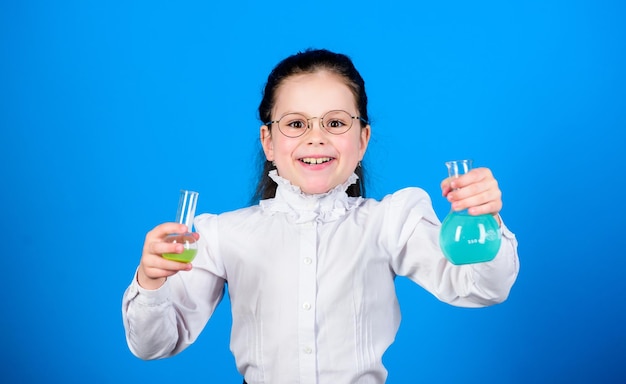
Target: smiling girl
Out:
[311,267]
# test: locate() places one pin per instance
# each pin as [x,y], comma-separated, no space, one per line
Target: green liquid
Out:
[186,256]
[466,239]
[188,241]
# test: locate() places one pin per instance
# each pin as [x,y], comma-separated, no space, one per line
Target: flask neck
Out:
[187,208]
[457,168]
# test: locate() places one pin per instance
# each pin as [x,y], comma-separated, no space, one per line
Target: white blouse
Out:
[311,284]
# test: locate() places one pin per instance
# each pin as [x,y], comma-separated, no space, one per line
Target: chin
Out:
[316,190]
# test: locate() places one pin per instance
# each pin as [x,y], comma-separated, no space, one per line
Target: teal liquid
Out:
[466,239]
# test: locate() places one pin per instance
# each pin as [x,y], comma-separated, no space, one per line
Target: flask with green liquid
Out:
[185,214]
[465,238]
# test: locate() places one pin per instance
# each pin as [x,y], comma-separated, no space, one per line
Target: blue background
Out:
[108,108]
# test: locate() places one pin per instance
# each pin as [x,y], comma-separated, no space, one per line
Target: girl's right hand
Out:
[153,268]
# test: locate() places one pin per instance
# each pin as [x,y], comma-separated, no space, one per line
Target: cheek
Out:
[357,145]
[282,148]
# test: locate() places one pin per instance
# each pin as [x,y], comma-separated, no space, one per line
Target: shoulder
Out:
[227,218]
[406,197]
[403,206]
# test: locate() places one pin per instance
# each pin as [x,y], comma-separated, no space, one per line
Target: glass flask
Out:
[185,214]
[465,238]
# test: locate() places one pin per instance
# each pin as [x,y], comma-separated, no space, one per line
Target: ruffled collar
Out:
[303,207]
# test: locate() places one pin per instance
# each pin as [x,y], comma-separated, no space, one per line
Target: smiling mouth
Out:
[316,160]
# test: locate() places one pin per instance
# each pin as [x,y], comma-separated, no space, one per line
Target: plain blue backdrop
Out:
[108,108]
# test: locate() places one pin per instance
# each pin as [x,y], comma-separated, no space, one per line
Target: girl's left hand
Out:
[477,191]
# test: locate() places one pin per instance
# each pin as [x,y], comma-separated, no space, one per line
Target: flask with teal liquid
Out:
[465,238]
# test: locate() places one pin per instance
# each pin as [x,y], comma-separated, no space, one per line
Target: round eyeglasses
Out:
[296,124]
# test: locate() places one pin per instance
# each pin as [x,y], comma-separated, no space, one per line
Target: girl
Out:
[311,267]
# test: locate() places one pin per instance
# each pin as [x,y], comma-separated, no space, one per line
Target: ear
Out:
[266,142]
[364,140]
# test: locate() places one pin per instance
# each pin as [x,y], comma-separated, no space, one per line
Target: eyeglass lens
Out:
[335,122]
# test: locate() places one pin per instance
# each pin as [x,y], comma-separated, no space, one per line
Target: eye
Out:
[294,122]
[336,123]
[337,120]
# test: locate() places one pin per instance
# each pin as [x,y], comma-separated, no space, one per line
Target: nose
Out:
[316,135]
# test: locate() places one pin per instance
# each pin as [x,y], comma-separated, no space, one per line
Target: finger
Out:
[486,185]
[492,208]
[158,273]
[486,190]
[156,266]
[169,266]
[162,230]
[489,201]
[477,197]
[444,183]
[160,247]
[445,189]
[474,176]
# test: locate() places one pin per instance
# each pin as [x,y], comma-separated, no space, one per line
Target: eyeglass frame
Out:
[321,119]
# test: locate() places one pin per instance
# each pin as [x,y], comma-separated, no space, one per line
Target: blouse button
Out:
[308,350]
[307,260]
[306,306]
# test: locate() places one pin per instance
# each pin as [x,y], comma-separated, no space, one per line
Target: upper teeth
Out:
[313,160]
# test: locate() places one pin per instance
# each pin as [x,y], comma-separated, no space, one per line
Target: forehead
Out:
[314,93]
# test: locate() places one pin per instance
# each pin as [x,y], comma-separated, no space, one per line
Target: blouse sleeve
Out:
[413,243]
[163,322]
